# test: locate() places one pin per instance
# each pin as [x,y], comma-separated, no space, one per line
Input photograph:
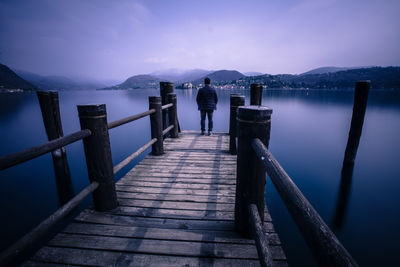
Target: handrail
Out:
[323,243]
[134,155]
[167,106]
[130,118]
[166,130]
[264,254]
[12,253]
[10,160]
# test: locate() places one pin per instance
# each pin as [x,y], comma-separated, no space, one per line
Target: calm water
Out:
[309,135]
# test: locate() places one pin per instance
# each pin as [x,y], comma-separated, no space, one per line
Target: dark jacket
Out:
[207,98]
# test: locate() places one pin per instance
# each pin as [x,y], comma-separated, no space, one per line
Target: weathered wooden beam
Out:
[168,129]
[36,151]
[98,155]
[236,100]
[11,255]
[166,106]
[256,94]
[156,125]
[130,119]
[49,105]
[260,237]
[323,243]
[173,115]
[252,122]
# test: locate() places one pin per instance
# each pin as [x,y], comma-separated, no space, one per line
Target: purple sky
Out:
[117,39]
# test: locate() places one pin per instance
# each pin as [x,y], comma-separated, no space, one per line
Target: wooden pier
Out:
[193,201]
[176,209]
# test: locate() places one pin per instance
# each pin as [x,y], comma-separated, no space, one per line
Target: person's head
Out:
[207,81]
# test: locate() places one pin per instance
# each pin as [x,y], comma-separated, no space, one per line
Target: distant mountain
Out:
[9,80]
[221,76]
[269,81]
[59,82]
[194,75]
[254,73]
[323,70]
[380,77]
[138,82]
[177,75]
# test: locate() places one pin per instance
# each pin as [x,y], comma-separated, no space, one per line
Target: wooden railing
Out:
[323,243]
[260,237]
[254,161]
[36,151]
[95,136]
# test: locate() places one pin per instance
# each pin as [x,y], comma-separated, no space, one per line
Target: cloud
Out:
[156,60]
[116,39]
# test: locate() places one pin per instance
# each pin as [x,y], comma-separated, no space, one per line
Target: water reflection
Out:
[342,202]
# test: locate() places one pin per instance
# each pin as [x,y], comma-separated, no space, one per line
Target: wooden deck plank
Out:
[160,233]
[177,185]
[110,258]
[175,214]
[214,176]
[90,216]
[190,171]
[160,247]
[172,179]
[32,263]
[176,191]
[216,167]
[162,204]
[189,160]
[176,157]
[171,197]
[175,209]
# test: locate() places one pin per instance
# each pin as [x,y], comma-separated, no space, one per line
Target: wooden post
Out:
[357,120]
[50,108]
[156,125]
[256,94]
[98,155]
[252,122]
[165,89]
[173,115]
[236,101]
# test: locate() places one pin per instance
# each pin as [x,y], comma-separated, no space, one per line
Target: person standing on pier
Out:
[207,102]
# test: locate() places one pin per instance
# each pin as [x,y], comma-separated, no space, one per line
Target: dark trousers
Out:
[203,119]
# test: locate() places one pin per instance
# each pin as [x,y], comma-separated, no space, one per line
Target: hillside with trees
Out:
[10,81]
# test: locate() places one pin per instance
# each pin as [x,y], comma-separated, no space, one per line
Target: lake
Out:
[308,137]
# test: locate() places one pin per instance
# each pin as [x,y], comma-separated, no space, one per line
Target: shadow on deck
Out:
[175,209]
